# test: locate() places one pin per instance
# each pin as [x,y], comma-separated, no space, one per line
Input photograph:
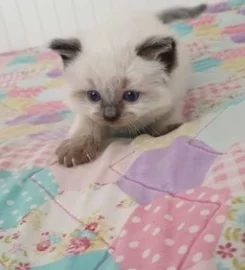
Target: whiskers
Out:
[136,128]
[133,129]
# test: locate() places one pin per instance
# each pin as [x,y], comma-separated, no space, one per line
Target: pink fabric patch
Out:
[26,92]
[10,79]
[52,106]
[32,152]
[211,92]
[229,170]
[175,231]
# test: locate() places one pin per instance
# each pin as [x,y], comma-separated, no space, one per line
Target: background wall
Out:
[29,23]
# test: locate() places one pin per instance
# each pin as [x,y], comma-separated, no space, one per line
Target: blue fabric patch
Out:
[20,194]
[236,3]
[99,260]
[25,59]
[182,29]
[205,64]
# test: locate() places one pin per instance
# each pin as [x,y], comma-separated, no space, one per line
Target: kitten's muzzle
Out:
[111,113]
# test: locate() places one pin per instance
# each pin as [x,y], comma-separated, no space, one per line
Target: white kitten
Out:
[130,73]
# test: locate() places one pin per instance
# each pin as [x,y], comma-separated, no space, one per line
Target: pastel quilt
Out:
[175,202]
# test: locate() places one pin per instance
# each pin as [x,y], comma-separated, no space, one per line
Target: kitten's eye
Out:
[93,95]
[131,95]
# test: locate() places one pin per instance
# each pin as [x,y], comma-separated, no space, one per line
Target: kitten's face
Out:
[120,74]
[120,93]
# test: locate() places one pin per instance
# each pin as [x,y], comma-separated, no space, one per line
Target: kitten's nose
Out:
[111,113]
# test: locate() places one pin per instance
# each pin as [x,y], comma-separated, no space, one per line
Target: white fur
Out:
[108,56]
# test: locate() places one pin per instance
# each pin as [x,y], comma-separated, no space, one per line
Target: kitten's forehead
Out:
[120,36]
[115,82]
[103,71]
[109,54]
[112,91]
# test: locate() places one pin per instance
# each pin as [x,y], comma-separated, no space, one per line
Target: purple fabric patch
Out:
[49,135]
[177,168]
[36,119]
[238,38]
[55,73]
[242,11]
[220,7]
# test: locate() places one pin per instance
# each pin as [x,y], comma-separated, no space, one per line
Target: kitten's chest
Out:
[126,132]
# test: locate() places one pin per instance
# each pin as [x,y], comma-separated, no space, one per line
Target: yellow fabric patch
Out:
[207,30]
[235,63]
[55,83]
[6,112]
[20,104]
[146,142]
[13,132]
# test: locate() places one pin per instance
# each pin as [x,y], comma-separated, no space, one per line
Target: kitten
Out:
[131,73]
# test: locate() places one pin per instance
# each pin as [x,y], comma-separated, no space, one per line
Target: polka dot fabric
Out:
[229,170]
[20,194]
[175,231]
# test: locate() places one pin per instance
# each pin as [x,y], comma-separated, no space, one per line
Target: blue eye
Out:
[93,95]
[131,95]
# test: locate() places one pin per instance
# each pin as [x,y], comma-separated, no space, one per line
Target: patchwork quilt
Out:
[175,202]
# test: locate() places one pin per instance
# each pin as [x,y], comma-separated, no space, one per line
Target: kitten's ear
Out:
[181,13]
[162,49]
[68,49]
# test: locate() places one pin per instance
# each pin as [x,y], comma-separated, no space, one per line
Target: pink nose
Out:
[111,113]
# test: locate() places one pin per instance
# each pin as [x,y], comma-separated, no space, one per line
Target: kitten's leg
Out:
[83,143]
[167,123]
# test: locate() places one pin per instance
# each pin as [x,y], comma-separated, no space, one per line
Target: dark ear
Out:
[162,49]
[181,13]
[68,49]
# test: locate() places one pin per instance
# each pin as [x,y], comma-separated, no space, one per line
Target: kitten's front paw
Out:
[76,151]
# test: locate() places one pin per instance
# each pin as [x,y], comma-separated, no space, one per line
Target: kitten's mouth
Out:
[115,124]
[128,129]
[119,122]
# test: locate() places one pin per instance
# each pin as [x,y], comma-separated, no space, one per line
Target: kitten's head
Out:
[120,74]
